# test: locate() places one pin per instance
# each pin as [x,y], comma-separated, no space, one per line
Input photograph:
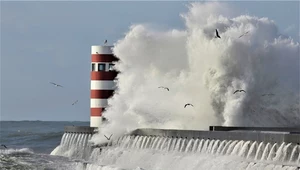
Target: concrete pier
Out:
[261,136]
[270,129]
[80,129]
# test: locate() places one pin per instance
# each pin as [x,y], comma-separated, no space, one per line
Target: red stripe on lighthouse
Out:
[103,58]
[103,75]
[96,111]
[101,94]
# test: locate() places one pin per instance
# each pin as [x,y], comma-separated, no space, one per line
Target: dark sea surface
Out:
[29,144]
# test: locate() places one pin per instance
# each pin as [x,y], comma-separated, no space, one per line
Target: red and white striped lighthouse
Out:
[102,81]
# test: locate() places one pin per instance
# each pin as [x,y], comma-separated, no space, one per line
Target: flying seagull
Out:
[239,91]
[108,138]
[75,102]
[217,34]
[4,146]
[244,34]
[187,105]
[105,41]
[57,85]
[164,88]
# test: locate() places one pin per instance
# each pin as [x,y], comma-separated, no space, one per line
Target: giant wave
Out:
[205,71]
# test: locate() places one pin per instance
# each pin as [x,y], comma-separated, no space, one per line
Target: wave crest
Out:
[205,71]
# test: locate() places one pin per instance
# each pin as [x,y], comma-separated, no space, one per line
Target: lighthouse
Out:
[102,81]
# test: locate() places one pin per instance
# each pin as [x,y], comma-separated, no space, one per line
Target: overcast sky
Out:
[51,41]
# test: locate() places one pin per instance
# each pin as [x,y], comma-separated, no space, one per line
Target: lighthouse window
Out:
[101,67]
[93,67]
[111,67]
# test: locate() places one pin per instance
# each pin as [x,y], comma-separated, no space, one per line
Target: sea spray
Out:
[204,71]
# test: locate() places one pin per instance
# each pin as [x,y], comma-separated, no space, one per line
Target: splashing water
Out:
[73,145]
[205,71]
[153,152]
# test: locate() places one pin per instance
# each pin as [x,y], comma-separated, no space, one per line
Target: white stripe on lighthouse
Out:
[101,49]
[103,85]
[95,121]
[98,103]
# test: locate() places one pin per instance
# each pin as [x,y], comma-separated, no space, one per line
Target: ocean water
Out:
[197,68]
[29,144]
[40,145]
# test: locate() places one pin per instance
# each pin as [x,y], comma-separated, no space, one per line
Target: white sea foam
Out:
[205,71]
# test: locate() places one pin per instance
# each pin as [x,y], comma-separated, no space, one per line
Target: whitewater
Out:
[155,152]
[197,68]
[205,71]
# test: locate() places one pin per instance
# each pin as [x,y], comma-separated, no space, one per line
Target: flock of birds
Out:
[189,104]
[236,91]
[216,36]
[166,88]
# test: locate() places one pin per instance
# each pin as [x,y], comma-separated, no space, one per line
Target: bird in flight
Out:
[105,41]
[164,88]
[75,102]
[244,34]
[187,105]
[4,146]
[108,138]
[217,34]
[239,91]
[57,85]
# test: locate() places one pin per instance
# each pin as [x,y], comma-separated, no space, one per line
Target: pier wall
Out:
[260,134]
